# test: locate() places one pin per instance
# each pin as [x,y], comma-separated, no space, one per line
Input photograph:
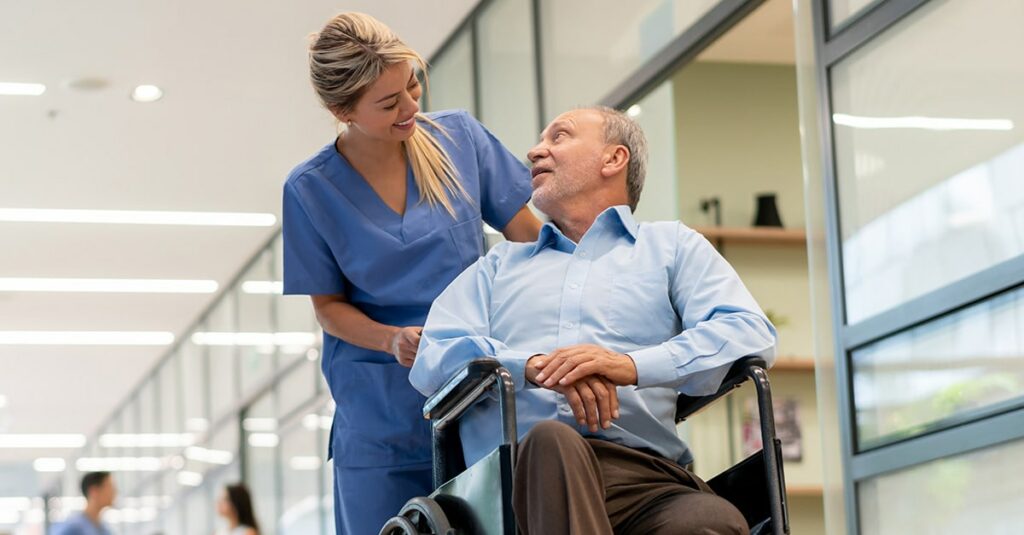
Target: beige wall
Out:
[737,135]
[737,131]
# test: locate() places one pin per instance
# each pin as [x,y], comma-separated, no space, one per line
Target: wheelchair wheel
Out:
[419,516]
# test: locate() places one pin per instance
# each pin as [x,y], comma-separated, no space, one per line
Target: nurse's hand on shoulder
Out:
[404,344]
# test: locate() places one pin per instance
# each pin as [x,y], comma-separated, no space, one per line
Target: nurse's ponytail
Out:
[346,57]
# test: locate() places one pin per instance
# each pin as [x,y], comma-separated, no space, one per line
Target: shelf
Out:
[763,235]
[800,491]
[793,364]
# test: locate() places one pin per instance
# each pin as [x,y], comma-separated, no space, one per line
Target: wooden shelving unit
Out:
[793,364]
[798,491]
[762,235]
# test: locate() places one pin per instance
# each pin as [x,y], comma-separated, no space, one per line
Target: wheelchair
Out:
[478,500]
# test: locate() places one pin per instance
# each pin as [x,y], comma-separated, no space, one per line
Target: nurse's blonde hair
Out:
[347,56]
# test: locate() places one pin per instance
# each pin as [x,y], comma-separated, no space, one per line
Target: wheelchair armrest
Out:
[454,398]
[738,374]
[466,385]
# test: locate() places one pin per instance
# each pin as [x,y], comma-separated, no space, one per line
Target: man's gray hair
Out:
[621,129]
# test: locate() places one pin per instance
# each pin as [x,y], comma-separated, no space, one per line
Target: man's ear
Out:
[615,160]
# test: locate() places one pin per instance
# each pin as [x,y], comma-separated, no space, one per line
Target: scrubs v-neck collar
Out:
[403,227]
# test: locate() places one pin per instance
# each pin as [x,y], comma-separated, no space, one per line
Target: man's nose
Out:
[536,153]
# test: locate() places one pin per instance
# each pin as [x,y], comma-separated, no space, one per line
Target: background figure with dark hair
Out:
[99,491]
[235,505]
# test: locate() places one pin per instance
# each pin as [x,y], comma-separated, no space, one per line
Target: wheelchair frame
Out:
[451,509]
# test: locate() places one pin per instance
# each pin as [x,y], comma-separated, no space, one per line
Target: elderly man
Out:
[602,322]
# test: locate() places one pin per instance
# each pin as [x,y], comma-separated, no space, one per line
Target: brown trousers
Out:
[567,484]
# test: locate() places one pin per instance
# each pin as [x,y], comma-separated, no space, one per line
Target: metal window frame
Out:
[970,431]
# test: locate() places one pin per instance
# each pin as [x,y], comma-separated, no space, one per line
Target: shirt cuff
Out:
[655,366]
[515,363]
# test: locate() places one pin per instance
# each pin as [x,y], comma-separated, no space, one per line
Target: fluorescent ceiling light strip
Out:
[146,440]
[138,217]
[259,424]
[190,479]
[19,89]
[119,464]
[49,464]
[304,462]
[925,123]
[86,338]
[23,284]
[42,441]
[209,456]
[253,339]
[263,287]
[16,503]
[263,440]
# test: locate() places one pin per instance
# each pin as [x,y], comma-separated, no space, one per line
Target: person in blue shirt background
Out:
[601,322]
[99,491]
[376,224]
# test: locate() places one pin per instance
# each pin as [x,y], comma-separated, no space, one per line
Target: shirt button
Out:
[583,254]
[574,286]
[569,325]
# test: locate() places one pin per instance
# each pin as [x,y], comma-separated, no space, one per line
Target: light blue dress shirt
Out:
[79,524]
[656,291]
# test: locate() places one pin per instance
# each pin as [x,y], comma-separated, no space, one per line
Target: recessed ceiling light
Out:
[49,464]
[86,338]
[42,441]
[21,90]
[634,110]
[138,217]
[18,284]
[147,93]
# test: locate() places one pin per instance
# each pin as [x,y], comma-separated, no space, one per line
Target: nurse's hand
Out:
[404,344]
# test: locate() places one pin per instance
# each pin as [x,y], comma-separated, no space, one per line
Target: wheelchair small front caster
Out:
[419,516]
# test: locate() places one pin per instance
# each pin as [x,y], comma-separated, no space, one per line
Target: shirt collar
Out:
[615,217]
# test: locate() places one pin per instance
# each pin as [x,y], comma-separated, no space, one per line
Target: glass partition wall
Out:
[914,154]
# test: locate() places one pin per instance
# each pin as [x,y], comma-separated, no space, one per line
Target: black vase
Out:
[767,212]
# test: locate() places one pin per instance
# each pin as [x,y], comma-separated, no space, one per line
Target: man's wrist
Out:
[629,368]
[530,372]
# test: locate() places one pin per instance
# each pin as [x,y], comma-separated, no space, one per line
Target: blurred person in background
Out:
[99,491]
[235,506]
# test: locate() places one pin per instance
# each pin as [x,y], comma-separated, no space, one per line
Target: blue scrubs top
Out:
[341,238]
